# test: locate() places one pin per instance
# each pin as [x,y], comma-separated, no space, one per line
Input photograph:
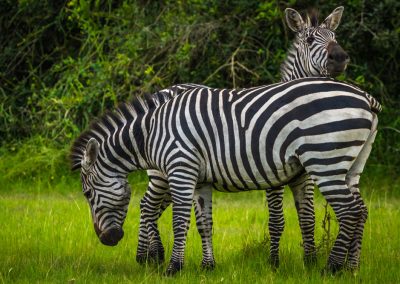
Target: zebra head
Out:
[107,193]
[315,51]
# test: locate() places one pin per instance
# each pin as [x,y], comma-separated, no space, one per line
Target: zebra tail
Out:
[375,105]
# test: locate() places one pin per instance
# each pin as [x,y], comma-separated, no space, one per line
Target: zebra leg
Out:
[353,257]
[156,248]
[182,185]
[329,170]
[154,202]
[347,211]
[303,193]
[352,180]
[141,251]
[203,210]
[276,222]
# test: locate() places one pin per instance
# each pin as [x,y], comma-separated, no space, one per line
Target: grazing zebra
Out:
[314,52]
[233,140]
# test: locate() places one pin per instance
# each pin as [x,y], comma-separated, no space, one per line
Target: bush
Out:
[65,65]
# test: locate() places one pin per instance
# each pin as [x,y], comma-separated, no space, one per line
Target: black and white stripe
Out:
[315,51]
[305,59]
[255,138]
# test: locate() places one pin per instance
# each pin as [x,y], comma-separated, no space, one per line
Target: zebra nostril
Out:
[330,56]
[112,236]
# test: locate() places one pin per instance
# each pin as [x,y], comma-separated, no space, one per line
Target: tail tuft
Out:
[375,105]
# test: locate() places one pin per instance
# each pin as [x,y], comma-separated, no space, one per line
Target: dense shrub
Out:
[64,62]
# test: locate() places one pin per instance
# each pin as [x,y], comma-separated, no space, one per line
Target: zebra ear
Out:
[294,20]
[90,154]
[333,20]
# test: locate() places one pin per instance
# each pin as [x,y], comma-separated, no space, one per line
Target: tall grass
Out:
[47,237]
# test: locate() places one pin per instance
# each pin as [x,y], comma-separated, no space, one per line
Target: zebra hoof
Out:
[156,256]
[208,265]
[173,268]
[274,262]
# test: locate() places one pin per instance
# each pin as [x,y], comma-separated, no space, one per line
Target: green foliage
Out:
[36,159]
[65,65]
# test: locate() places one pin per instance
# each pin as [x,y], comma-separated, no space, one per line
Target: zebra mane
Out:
[312,16]
[139,106]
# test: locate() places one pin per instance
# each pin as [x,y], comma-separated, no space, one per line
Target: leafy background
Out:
[64,62]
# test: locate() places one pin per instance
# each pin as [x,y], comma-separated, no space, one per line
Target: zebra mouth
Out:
[335,69]
[335,73]
[112,236]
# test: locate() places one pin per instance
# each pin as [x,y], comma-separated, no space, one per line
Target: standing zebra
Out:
[233,140]
[314,52]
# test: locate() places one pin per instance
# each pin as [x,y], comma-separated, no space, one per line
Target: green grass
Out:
[46,235]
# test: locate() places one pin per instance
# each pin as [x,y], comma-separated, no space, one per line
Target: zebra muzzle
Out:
[337,59]
[112,236]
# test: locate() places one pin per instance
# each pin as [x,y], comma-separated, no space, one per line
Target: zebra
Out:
[314,52]
[233,140]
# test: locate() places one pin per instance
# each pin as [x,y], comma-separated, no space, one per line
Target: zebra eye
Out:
[87,194]
[310,40]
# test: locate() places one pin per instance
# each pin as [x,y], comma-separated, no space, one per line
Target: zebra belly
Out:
[280,176]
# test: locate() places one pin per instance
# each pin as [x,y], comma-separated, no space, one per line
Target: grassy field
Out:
[47,236]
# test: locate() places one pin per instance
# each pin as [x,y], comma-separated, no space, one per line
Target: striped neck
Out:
[292,68]
[128,144]
[288,67]
[122,136]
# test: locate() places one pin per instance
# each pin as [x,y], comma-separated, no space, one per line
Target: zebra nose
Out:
[336,54]
[112,236]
